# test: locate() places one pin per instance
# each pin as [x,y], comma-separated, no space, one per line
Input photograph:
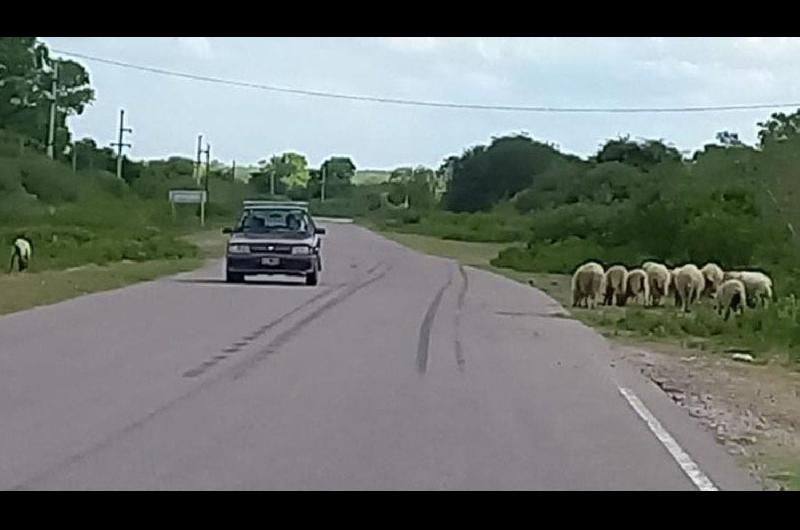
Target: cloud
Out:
[557,71]
[199,47]
[412,44]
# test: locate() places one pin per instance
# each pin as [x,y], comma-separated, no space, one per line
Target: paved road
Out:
[399,371]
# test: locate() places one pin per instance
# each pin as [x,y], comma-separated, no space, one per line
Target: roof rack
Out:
[284,204]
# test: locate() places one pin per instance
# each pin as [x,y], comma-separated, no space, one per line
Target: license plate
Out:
[270,261]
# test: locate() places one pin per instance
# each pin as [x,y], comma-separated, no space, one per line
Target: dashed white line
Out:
[687,465]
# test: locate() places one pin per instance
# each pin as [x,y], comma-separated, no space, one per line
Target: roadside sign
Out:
[189,197]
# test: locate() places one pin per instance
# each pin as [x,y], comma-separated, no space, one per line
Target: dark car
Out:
[274,238]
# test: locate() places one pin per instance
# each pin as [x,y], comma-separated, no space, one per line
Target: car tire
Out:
[312,278]
[234,277]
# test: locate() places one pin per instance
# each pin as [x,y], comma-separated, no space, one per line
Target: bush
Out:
[49,181]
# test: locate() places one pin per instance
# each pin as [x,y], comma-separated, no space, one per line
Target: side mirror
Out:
[320,231]
[227,230]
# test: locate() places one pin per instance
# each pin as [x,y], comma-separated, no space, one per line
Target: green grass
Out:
[702,329]
[24,291]
[767,334]
[781,467]
[31,289]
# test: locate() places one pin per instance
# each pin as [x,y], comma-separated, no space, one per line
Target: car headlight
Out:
[238,249]
[301,251]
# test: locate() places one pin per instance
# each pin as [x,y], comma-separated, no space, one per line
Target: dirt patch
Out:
[754,411]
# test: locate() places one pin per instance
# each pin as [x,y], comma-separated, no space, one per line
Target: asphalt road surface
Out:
[398,372]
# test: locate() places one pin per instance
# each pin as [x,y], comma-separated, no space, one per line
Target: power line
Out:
[410,102]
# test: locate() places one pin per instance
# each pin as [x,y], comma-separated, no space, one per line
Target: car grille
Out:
[272,249]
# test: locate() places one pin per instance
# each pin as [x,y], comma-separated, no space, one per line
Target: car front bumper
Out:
[286,264]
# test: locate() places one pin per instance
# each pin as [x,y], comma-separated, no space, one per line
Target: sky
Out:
[247,125]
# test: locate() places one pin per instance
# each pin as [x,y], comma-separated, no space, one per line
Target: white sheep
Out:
[730,296]
[689,283]
[758,286]
[658,278]
[615,283]
[587,284]
[21,251]
[637,285]
[713,275]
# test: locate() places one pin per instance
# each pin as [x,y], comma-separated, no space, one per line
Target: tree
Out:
[780,127]
[399,180]
[643,155]
[729,139]
[483,175]
[422,187]
[339,173]
[294,171]
[26,75]
[289,171]
[89,156]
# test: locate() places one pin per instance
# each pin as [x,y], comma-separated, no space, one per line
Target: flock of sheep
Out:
[731,290]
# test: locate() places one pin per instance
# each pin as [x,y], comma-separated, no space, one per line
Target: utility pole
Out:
[208,155]
[322,189]
[199,152]
[272,181]
[203,203]
[233,172]
[51,136]
[120,144]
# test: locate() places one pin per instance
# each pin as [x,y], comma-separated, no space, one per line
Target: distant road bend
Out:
[398,372]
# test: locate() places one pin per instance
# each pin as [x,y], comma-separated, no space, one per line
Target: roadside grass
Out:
[767,335]
[777,464]
[20,291]
[663,328]
[466,253]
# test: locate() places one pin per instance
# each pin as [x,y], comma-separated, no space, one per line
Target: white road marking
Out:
[685,462]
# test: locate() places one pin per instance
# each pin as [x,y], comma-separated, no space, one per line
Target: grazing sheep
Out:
[636,285]
[658,278]
[20,251]
[730,296]
[758,286]
[713,276]
[587,284]
[689,283]
[616,275]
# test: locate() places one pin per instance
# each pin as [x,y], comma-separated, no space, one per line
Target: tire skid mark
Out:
[427,322]
[119,434]
[462,294]
[238,345]
[283,337]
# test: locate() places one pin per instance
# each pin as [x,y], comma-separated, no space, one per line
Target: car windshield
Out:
[274,220]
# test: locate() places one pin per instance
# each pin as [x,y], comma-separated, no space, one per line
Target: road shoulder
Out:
[753,411]
[21,291]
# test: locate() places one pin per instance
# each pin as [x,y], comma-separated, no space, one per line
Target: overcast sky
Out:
[246,124]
